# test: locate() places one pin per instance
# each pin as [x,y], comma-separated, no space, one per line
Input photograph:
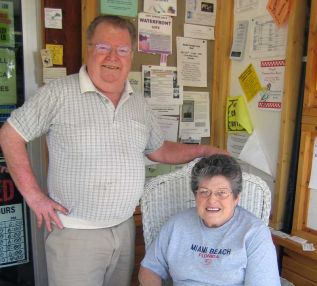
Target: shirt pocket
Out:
[133,134]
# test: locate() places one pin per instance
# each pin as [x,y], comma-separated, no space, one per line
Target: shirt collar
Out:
[86,85]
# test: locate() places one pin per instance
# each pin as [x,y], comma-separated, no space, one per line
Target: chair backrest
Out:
[168,194]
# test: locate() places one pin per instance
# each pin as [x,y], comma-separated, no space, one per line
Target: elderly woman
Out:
[216,243]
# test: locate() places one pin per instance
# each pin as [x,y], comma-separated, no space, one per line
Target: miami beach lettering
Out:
[208,251]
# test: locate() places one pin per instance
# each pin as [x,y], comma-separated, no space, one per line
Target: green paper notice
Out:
[127,8]
[8,91]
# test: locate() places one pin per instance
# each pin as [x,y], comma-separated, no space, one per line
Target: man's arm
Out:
[149,278]
[177,153]
[18,163]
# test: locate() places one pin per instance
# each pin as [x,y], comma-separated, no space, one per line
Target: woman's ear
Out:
[237,199]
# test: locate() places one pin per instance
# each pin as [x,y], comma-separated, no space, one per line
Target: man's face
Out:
[107,69]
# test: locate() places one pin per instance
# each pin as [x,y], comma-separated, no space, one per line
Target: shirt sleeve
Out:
[34,117]
[262,268]
[156,255]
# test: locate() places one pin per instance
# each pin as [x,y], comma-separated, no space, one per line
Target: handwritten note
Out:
[238,118]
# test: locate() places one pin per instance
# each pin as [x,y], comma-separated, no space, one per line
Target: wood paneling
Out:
[299,269]
[298,266]
[294,52]
[221,75]
[69,36]
[310,100]
[89,10]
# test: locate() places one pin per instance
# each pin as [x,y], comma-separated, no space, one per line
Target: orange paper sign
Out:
[279,10]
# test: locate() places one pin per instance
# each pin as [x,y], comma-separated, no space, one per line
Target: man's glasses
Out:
[103,49]
[206,193]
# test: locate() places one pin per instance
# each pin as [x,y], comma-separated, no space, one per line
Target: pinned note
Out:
[238,118]
[250,82]
[279,10]
[56,52]
[46,58]
[53,18]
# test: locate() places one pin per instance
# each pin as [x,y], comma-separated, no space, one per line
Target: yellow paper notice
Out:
[56,52]
[238,118]
[250,82]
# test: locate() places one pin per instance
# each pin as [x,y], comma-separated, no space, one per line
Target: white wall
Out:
[31,28]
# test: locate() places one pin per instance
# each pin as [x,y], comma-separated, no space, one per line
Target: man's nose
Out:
[112,53]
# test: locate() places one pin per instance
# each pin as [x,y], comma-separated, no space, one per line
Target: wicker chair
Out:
[168,194]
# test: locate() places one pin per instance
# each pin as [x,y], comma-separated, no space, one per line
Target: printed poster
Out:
[201,12]
[195,121]
[160,85]
[267,39]
[162,7]
[191,62]
[13,227]
[8,93]
[155,34]
[270,98]
[6,24]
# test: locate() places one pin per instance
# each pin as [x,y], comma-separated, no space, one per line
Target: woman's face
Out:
[213,210]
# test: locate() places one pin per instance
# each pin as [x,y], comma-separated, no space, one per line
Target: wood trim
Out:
[299,269]
[310,99]
[89,10]
[308,134]
[295,43]
[294,247]
[300,228]
[221,72]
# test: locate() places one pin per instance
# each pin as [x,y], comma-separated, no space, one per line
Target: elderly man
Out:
[98,132]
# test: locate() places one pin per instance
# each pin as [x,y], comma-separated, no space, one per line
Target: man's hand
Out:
[45,208]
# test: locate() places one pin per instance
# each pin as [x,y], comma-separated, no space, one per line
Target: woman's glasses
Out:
[206,193]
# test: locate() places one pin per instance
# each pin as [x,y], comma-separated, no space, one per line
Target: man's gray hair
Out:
[115,21]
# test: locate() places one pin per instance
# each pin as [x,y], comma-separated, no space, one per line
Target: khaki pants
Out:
[98,257]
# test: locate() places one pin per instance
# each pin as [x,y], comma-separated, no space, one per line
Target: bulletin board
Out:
[65,40]
[264,58]
[275,130]
[90,9]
